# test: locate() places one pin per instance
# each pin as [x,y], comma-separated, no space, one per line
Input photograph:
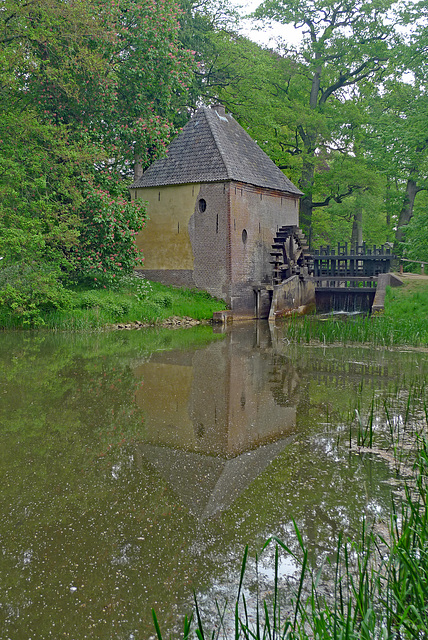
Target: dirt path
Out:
[410,277]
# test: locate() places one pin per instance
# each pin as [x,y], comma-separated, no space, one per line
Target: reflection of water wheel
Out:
[290,254]
[284,382]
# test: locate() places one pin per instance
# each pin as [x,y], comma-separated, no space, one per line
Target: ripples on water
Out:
[135,467]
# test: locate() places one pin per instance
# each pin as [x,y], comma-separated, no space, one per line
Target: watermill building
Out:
[215,203]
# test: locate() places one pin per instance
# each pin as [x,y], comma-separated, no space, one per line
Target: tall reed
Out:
[379,587]
[382,331]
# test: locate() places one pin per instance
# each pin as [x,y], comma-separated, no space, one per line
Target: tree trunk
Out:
[138,168]
[306,184]
[388,203]
[357,226]
[406,210]
[307,178]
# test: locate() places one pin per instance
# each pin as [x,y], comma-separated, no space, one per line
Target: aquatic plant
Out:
[381,331]
[378,583]
[404,322]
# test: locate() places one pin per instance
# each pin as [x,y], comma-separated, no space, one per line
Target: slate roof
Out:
[213,147]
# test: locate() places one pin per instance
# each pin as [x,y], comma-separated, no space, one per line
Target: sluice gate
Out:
[346,278]
[342,279]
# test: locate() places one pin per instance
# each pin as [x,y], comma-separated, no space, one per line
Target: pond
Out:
[135,466]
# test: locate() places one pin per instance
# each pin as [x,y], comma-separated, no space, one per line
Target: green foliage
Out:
[107,249]
[35,297]
[143,289]
[202,26]
[113,73]
[382,331]
[85,88]
[29,291]
[342,49]
[416,238]
[407,302]
[37,189]
[404,322]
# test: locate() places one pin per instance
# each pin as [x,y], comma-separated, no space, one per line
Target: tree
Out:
[416,232]
[398,139]
[345,45]
[202,24]
[85,86]
[263,90]
[400,130]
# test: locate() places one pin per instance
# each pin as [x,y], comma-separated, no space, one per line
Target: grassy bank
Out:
[404,321]
[409,300]
[136,300]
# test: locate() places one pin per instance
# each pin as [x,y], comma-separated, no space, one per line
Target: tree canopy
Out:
[90,89]
[85,87]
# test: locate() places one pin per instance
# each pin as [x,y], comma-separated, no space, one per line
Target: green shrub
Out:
[117,308]
[162,300]
[143,288]
[88,300]
[107,249]
[27,291]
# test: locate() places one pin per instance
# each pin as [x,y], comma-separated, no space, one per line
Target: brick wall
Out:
[216,237]
[256,214]
[209,236]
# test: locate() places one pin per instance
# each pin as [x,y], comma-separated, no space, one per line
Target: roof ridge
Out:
[217,141]
[221,151]
[214,147]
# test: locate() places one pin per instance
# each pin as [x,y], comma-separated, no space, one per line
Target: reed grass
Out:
[382,331]
[379,583]
[404,322]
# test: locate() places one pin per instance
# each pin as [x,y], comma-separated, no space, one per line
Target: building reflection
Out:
[216,417]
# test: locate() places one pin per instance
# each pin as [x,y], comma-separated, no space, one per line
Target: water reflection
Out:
[213,422]
[135,467]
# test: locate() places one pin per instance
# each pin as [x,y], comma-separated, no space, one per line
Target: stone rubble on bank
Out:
[174,322]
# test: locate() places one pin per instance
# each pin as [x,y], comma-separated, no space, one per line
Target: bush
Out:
[163,300]
[107,250]
[88,300]
[29,290]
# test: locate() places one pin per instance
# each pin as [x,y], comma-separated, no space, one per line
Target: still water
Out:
[136,466]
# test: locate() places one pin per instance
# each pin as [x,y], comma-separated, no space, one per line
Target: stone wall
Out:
[293,295]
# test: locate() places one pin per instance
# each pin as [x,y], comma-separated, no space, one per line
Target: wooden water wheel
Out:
[290,254]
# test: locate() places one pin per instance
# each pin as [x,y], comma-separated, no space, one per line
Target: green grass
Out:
[136,301]
[408,300]
[404,322]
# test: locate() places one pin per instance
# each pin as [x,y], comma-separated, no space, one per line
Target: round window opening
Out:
[244,236]
[202,205]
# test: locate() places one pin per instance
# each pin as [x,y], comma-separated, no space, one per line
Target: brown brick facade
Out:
[224,230]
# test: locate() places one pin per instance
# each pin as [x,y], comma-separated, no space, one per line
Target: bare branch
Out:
[339,197]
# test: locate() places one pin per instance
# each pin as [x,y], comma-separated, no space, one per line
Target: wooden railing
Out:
[421,262]
[351,267]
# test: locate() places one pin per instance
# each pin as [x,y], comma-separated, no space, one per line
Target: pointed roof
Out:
[213,147]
